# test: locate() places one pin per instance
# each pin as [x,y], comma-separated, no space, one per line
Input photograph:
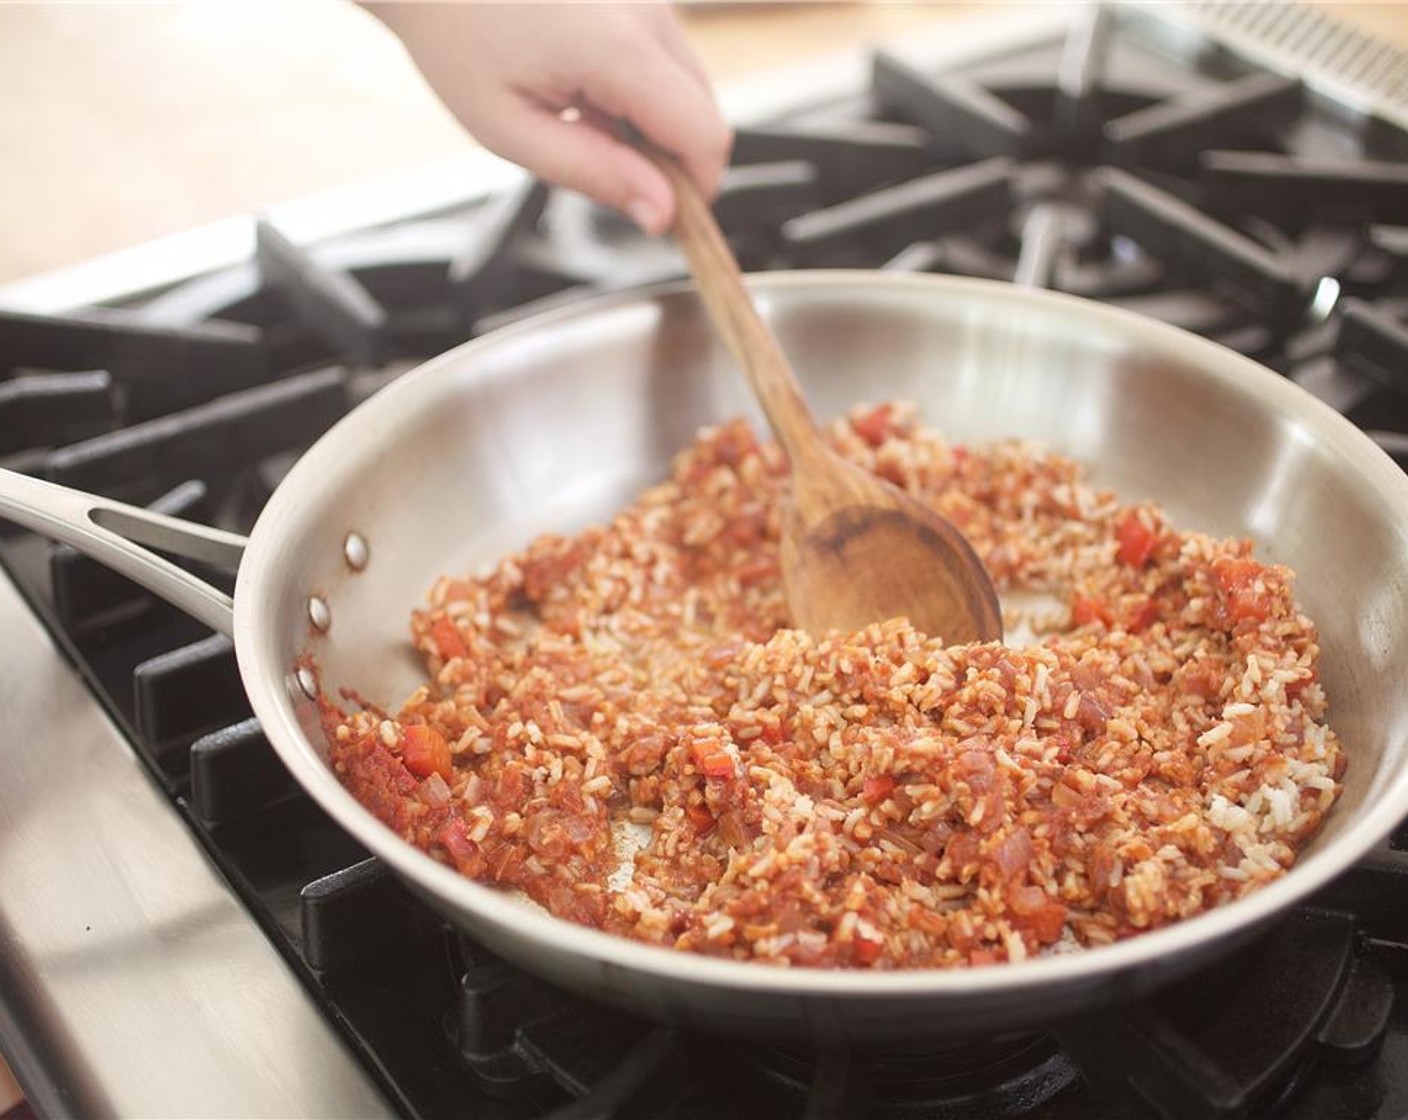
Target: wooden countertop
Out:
[123,123]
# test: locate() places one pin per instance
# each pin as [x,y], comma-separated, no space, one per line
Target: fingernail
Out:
[644,215]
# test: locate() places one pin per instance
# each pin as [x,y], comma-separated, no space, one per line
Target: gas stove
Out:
[186,933]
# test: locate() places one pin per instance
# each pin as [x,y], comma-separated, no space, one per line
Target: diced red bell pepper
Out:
[1142,617]
[425,752]
[732,442]
[1047,923]
[701,818]
[774,733]
[865,951]
[753,572]
[876,788]
[874,426]
[1136,540]
[1036,911]
[446,636]
[713,762]
[1236,582]
[1085,610]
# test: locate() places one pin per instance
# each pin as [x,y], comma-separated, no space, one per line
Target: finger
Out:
[668,105]
[581,157]
[672,35]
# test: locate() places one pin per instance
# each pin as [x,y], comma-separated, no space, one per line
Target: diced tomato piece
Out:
[551,562]
[1142,617]
[446,637]
[425,752]
[1233,575]
[469,859]
[732,442]
[511,787]
[927,921]
[745,530]
[1136,540]
[504,862]
[1085,611]
[701,818]
[982,956]
[774,733]
[713,762]
[753,572]
[962,850]
[1047,922]
[874,426]
[865,951]
[1237,584]
[891,472]
[876,789]
[1036,912]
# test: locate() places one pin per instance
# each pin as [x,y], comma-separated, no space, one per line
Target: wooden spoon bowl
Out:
[855,549]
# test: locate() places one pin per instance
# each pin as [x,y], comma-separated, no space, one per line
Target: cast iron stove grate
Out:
[1192,185]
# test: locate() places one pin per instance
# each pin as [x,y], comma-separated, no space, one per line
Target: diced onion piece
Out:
[435,791]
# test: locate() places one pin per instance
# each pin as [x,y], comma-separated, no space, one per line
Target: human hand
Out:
[546,85]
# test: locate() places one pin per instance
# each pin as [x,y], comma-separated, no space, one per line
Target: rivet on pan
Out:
[307,682]
[355,549]
[319,614]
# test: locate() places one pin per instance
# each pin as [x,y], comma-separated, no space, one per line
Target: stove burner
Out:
[220,436]
[1173,132]
[484,262]
[1373,342]
[1241,1038]
[849,158]
[1214,1047]
[1289,190]
[1009,1078]
[952,107]
[182,694]
[331,301]
[88,595]
[157,368]
[756,199]
[234,775]
[886,220]
[1193,244]
[43,409]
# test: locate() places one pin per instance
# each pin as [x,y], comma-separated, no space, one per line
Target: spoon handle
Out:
[751,342]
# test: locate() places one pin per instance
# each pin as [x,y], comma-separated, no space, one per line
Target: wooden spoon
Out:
[855,549]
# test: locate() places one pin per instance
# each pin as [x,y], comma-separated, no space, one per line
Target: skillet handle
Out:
[113,533]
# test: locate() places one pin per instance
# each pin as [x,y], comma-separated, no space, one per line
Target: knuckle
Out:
[723,140]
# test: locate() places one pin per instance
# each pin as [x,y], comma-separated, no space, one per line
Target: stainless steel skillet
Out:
[451,465]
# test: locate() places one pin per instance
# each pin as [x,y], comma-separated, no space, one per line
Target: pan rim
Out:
[267,684]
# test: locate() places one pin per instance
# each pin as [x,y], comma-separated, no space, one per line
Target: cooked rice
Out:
[871,799]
